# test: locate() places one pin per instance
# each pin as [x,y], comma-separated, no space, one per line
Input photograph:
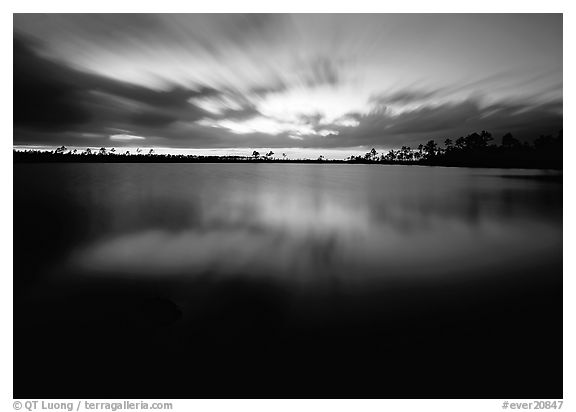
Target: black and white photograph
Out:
[288,206]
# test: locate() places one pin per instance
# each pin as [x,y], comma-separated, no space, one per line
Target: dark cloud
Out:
[45,94]
[50,96]
[247,112]
[153,119]
[383,129]
[69,35]
[175,98]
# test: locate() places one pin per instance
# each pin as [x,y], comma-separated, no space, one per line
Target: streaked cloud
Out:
[310,81]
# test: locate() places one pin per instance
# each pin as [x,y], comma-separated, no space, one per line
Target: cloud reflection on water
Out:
[317,224]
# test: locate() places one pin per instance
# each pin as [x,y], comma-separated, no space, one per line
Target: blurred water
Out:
[301,223]
[435,277]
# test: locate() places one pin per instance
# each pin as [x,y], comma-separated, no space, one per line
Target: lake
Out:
[313,277]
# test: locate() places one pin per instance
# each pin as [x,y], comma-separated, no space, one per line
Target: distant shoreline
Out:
[21,157]
[473,151]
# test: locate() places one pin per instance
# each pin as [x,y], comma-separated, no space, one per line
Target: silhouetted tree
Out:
[486,137]
[430,149]
[390,156]
[420,150]
[510,142]
[547,142]
[406,153]
[474,150]
[476,141]
[461,143]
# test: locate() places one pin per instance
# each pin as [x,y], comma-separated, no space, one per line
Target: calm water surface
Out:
[413,270]
[301,223]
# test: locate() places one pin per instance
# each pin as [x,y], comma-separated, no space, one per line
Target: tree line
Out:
[473,150]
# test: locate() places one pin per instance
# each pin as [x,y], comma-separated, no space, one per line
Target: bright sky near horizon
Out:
[320,82]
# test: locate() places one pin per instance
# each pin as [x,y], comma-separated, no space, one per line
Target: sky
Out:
[303,83]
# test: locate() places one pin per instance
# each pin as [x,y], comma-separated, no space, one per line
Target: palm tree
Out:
[284,156]
[151,152]
[102,151]
[138,150]
[255,154]
[88,151]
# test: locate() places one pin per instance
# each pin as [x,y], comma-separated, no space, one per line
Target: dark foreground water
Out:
[280,280]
